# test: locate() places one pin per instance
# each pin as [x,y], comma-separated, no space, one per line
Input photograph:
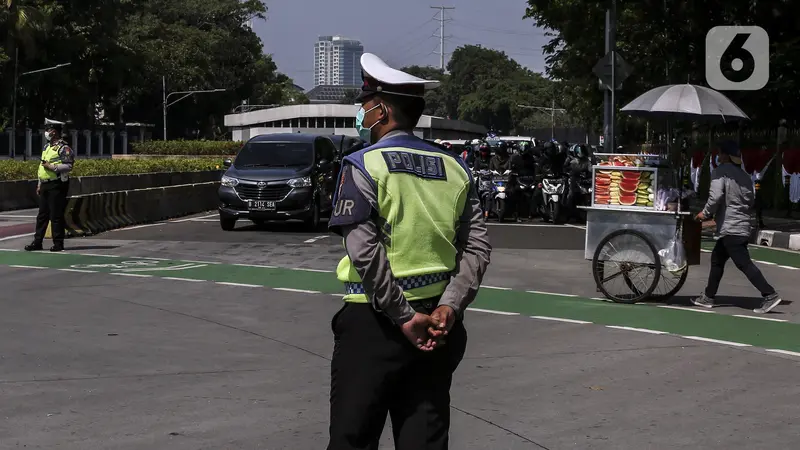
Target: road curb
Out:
[778,239]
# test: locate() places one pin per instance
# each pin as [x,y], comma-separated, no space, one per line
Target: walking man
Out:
[730,202]
[417,249]
[57,162]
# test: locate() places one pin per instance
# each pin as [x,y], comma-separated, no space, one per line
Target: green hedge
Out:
[19,170]
[189,148]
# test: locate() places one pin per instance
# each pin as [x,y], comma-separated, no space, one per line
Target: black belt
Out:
[52,181]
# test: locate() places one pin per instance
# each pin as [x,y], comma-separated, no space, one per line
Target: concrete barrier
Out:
[95,213]
[22,194]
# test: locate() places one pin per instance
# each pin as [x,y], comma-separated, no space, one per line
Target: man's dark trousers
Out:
[735,248]
[52,205]
[375,371]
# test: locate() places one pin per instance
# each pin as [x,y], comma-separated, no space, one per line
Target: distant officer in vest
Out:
[417,249]
[57,161]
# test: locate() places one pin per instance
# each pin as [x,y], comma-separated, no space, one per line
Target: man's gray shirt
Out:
[731,200]
[363,243]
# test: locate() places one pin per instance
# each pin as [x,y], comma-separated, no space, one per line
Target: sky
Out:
[401,32]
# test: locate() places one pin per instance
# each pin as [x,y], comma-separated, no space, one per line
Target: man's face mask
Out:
[365,132]
[48,135]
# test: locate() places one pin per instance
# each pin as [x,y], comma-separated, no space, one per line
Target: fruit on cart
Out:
[632,175]
[627,200]
[629,186]
[602,181]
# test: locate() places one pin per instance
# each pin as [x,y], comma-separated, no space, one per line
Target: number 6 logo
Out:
[737,58]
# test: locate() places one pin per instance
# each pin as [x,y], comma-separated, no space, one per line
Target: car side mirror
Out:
[227,162]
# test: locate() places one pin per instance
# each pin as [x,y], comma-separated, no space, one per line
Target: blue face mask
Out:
[365,133]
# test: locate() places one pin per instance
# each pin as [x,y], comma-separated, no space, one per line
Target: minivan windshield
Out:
[275,154]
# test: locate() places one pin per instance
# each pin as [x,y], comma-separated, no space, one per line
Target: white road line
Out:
[759,318]
[495,287]
[302,291]
[705,251]
[337,295]
[686,308]
[225,283]
[551,293]
[783,352]
[10,250]
[154,259]
[789,267]
[13,216]
[527,225]
[716,341]
[602,299]
[491,311]
[204,220]
[311,270]
[136,227]
[194,218]
[256,265]
[312,240]
[558,319]
[26,267]
[199,262]
[182,279]
[766,263]
[16,236]
[102,256]
[137,275]
[77,270]
[640,330]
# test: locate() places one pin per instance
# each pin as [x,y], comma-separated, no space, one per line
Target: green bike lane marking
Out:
[784,258]
[759,333]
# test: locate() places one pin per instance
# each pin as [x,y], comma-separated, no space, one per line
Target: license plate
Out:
[261,205]
[555,198]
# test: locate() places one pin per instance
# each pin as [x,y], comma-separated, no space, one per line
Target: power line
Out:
[441,36]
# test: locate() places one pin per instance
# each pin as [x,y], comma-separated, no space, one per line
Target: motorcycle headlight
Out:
[299,182]
[229,181]
[501,188]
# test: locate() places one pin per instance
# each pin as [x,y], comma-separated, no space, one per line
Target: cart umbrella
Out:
[685,102]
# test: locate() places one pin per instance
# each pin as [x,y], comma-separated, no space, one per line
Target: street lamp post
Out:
[186,94]
[552,110]
[17,75]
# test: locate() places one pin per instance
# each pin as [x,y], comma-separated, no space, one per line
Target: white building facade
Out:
[333,119]
[337,61]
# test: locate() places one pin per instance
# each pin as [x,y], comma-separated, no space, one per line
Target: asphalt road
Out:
[203,346]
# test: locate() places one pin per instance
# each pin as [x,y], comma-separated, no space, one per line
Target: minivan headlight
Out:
[229,181]
[299,182]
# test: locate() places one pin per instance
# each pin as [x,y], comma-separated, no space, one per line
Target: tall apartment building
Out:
[337,61]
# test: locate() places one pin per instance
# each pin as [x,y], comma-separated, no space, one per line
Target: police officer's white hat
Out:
[380,78]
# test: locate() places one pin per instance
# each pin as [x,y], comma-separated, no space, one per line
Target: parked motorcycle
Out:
[525,188]
[554,193]
[583,197]
[486,189]
[502,194]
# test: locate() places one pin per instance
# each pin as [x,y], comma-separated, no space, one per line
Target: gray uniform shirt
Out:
[731,200]
[363,243]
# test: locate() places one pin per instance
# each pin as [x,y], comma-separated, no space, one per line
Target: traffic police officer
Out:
[417,249]
[57,162]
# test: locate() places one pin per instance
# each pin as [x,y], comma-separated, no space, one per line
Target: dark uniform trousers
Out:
[375,371]
[52,205]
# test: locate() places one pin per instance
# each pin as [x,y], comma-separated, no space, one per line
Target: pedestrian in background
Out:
[57,161]
[730,202]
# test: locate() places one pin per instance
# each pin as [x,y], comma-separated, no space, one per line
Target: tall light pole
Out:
[552,110]
[442,20]
[186,94]
[17,75]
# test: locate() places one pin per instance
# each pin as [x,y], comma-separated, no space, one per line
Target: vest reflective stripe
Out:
[419,233]
[50,155]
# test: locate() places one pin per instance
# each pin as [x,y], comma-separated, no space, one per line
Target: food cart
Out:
[630,224]
[633,222]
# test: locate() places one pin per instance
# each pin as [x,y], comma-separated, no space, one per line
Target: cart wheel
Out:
[628,257]
[669,283]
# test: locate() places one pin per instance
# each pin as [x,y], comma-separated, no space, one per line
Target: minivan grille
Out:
[269,193]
